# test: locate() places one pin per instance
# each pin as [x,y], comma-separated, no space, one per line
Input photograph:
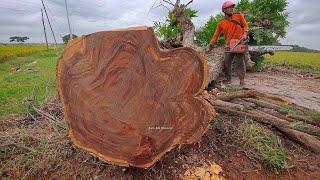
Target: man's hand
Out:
[208,49]
[245,36]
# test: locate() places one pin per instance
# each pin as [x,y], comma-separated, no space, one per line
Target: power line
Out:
[44,29]
[57,24]
[71,36]
[54,37]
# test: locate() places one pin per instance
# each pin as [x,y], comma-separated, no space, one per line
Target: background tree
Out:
[205,33]
[267,21]
[18,38]
[66,38]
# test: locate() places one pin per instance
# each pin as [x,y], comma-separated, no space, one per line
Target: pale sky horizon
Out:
[23,18]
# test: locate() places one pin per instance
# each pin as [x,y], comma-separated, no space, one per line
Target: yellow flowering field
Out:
[300,60]
[8,52]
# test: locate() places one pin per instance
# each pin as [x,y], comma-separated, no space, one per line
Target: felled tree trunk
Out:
[128,102]
[215,58]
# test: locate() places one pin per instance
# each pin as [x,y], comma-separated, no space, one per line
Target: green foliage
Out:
[260,65]
[165,31]
[66,38]
[170,28]
[265,146]
[190,13]
[266,18]
[205,33]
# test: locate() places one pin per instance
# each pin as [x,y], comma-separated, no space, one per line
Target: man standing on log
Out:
[234,27]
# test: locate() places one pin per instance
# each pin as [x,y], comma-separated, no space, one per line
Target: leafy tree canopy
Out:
[66,38]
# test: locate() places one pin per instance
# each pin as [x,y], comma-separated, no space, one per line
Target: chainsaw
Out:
[240,46]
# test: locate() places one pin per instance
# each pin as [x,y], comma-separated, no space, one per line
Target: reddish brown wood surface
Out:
[128,102]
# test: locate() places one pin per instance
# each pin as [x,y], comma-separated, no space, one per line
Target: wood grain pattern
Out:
[128,102]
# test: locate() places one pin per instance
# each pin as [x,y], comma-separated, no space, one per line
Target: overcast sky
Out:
[23,17]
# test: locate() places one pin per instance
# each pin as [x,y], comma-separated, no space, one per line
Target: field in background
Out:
[298,60]
[33,82]
[8,52]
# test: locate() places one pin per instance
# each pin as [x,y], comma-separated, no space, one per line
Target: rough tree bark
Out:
[214,58]
[128,102]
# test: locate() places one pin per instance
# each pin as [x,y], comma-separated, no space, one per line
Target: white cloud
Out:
[23,17]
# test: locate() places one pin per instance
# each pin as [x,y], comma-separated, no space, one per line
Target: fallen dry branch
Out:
[275,113]
[273,99]
[239,94]
[306,140]
[265,118]
[303,118]
[217,102]
[226,104]
[262,103]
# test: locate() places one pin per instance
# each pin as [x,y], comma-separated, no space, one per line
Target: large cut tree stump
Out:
[128,102]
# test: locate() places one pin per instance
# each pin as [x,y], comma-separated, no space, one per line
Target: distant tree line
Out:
[18,39]
[297,48]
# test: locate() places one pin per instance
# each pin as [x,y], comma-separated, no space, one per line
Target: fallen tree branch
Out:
[306,140]
[217,102]
[262,103]
[274,99]
[239,94]
[265,118]
[303,118]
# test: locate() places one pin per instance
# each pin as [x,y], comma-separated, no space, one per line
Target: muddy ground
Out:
[302,89]
[51,155]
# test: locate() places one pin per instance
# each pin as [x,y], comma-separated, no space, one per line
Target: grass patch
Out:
[298,60]
[315,115]
[292,109]
[33,147]
[260,65]
[264,146]
[34,81]
[232,89]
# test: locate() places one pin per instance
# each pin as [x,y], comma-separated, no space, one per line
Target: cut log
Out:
[128,102]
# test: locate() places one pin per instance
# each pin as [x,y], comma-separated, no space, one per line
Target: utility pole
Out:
[54,37]
[44,29]
[71,36]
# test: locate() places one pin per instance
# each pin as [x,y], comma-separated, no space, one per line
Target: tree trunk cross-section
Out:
[128,102]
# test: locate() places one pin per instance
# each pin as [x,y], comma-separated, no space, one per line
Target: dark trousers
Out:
[239,63]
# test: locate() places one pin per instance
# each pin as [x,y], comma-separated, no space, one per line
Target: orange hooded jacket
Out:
[230,29]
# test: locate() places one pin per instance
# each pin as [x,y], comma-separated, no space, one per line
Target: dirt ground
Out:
[51,155]
[302,89]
